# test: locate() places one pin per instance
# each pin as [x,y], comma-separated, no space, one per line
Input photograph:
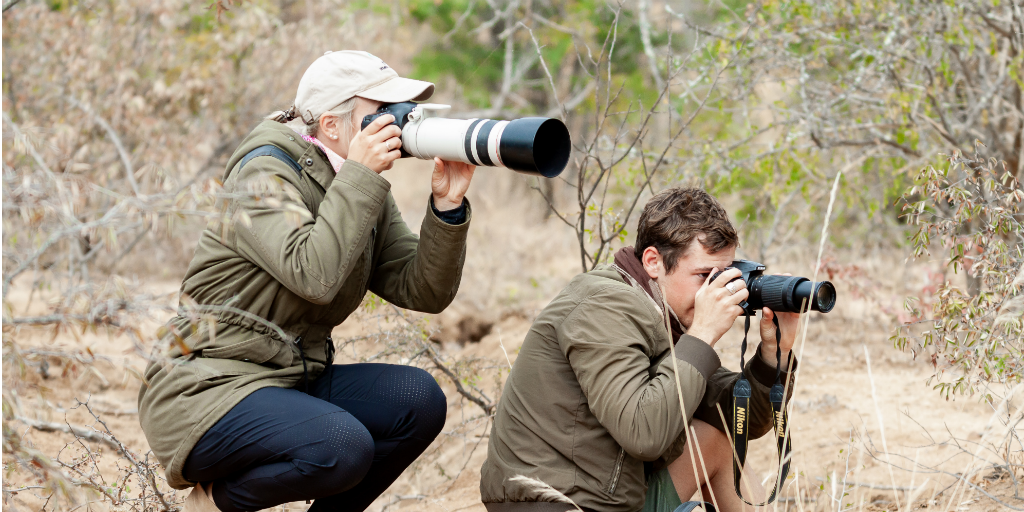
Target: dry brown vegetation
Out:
[118,118]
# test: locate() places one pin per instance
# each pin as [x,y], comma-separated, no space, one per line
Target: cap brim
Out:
[399,89]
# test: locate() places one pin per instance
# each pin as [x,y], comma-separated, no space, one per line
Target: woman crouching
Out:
[252,411]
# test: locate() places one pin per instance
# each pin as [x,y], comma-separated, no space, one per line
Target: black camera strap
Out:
[741,416]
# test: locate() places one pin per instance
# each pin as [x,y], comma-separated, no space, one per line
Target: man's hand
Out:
[789,323]
[449,183]
[715,307]
[377,145]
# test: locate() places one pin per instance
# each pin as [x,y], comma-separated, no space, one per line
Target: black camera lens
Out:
[821,296]
[784,294]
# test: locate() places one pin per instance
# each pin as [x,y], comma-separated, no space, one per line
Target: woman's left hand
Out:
[788,322]
[449,183]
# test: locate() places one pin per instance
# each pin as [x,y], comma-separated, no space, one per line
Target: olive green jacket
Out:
[592,396]
[292,257]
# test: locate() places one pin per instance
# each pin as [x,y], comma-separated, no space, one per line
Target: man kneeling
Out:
[591,408]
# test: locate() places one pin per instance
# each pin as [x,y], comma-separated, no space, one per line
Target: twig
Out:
[482,401]
[143,470]
[487,407]
[88,435]
[446,39]
[645,39]
[551,81]
[500,342]
[129,169]
[9,3]
[879,487]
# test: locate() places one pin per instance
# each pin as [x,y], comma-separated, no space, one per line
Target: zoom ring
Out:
[773,293]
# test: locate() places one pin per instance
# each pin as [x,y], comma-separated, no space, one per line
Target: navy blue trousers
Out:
[342,444]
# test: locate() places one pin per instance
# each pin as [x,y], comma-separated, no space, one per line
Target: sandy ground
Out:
[844,416]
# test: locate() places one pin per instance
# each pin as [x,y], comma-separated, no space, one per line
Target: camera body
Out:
[537,146]
[401,112]
[789,294]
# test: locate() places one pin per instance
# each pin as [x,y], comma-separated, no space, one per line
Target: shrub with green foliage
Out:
[973,209]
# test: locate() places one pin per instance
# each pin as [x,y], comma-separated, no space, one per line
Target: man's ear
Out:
[651,260]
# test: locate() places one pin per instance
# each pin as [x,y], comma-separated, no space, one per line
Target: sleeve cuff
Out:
[764,373]
[698,354]
[454,216]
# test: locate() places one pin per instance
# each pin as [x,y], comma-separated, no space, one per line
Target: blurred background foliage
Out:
[878,89]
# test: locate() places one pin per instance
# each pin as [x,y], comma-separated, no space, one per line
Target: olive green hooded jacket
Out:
[291,258]
[592,397]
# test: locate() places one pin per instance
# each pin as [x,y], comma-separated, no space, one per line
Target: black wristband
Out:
[454,216]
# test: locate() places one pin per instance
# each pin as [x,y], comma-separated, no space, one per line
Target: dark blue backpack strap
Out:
[274,151]
[688,506]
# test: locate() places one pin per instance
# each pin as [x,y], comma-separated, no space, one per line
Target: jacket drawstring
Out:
[302,355]
[330,365]
[329,350]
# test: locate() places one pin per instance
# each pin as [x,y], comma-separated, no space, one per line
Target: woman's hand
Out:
[377,145]
[449,183]
[788,322]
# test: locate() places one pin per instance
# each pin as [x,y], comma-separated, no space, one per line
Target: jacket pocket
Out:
[260,350]
[613,482]
[210,372]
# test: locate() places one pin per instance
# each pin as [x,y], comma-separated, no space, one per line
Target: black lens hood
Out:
[535,145]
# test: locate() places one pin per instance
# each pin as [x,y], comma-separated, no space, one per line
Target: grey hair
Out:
[343,112]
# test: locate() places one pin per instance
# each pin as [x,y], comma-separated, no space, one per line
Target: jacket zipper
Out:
[618,470]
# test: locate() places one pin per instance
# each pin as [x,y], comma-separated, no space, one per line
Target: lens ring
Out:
[792,303]
[824,296]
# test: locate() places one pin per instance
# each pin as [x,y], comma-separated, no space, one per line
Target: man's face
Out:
[687,276]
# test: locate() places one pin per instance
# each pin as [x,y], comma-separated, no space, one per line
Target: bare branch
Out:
[129,170]
[9,3]
[554,90]
[79,432]
[645,39]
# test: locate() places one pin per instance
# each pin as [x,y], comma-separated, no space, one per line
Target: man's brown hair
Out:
[674,217]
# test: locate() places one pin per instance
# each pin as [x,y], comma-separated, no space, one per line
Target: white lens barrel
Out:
[436,136]
[533,145]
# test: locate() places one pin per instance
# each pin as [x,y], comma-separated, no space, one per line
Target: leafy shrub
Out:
[975,337]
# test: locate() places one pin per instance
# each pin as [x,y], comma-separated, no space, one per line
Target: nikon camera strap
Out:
[741,417]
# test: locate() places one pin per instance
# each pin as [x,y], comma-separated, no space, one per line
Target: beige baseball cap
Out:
[338,76]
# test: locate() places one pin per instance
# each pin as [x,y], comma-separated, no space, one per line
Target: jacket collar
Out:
[314,162]
[633,272]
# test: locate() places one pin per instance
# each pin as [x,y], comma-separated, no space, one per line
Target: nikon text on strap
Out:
[741,417]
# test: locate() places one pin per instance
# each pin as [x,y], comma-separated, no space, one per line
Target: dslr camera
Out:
[787,294]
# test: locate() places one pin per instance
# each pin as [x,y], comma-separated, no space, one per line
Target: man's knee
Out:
[711,440]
